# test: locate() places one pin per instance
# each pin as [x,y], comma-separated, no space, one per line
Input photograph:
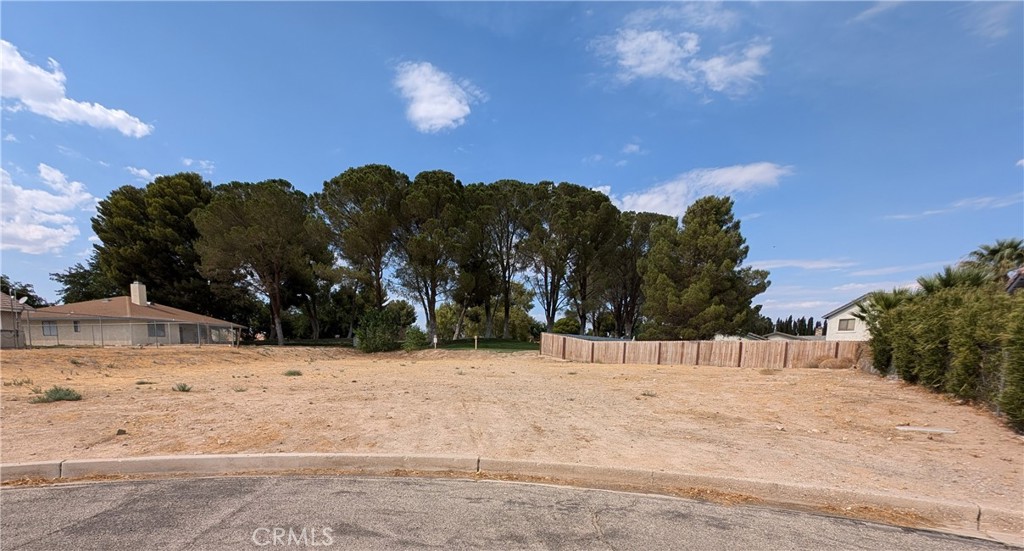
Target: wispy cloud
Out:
[875,286]
[901,269]
[803,264]
[971,203]
[1020,163]
[660,43]
[33,220]
[874,11]
[10,138]
[202,165]
[703,15]
[631,149]
[674,196]
[141,173]
[43,92]
[992,20]
[436,101]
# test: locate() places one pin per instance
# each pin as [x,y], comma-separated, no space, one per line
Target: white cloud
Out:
[621,162]
[876,286]
[814,264]
[436,101]
[734,73]
[141,173]
[1020,162]
[992,20]
[33,220]
[971,203]
[607,190]
[595,158]
[655,54]
[706,15]
[888,270]
[651,46]
[674,196]
[631,149]
[877,9]
[202,165]
[10,138]
[43,93]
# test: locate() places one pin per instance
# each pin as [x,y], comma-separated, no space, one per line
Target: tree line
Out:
[257,253]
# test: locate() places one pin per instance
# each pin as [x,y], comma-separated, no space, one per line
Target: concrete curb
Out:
[217,464]
[956,517]
[40,469]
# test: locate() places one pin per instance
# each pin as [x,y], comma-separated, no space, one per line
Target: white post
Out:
[475,337]
[435,342]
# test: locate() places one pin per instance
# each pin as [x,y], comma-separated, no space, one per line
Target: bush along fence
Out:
[726,353]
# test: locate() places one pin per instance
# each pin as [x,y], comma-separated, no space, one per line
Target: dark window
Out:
[846,324]
[157,329]
[49,329]
[76,326]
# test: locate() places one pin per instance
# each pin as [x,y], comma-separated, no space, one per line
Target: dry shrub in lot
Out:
[815,363]
[838,363]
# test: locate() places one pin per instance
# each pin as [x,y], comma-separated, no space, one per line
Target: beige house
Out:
[124,321]
[12,334]
[844,326]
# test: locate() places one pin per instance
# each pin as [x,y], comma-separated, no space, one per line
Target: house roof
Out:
[8,304]
[122,308]
[845,306]
[1016,280]
[788,337]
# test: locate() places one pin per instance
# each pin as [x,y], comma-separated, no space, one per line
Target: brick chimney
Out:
[138,293]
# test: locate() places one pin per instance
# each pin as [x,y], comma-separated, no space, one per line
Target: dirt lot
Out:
[830,428]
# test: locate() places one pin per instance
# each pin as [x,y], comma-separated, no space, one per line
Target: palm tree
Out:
[998,259]
[959,276]
[880,302]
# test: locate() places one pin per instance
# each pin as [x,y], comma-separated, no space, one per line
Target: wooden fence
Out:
[761,354]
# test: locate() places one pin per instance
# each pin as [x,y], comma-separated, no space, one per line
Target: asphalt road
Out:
[408,513]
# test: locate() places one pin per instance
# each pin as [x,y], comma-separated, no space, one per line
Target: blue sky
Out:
[864,144]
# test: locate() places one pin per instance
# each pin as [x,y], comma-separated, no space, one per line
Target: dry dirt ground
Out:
[829,428]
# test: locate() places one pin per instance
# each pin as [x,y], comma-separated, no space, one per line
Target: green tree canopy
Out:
[264,233]
[694,281]
[432,216]
[362,206]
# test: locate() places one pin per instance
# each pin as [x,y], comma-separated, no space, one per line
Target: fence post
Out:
[739,356]
[697,360]
[623,351]
[657,360]
[591,351]
[785,353]
[564,340]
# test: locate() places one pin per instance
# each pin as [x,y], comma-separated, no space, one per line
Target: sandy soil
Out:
[830,428]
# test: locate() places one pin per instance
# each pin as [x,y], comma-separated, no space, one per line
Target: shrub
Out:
[292,373]
[837,363]
[965,341]
[57,394]
[1011,398]
[181,387]
[814,363]
[378,331]
[415,339]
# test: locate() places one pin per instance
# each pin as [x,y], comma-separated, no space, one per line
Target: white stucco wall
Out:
[859,332]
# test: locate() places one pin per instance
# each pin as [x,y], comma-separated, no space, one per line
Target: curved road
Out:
[408,513]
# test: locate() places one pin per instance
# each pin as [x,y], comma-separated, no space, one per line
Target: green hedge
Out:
[966,341]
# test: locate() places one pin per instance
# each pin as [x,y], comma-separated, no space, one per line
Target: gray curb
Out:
[957,517]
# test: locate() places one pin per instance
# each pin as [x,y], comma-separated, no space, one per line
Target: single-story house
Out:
[776,336]
[844,326]
[124,321]
[12,334]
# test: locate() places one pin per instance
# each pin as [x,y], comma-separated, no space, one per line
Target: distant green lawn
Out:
[498,345]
